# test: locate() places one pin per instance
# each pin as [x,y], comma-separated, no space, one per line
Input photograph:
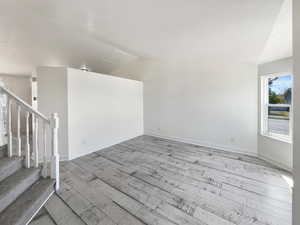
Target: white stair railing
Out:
[33,138]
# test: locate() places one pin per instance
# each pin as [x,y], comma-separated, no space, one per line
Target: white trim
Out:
[102,147]
[276,163]
[277,74]
[263,109]
[204,144]
[264,104]
[61,159]
[222,148]
[39,208]
[280,105]
[278,137]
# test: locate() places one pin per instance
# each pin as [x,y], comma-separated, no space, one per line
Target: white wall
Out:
[52,98]
[296,147]
[275,151]
[21,86]
[211,103]
[103,111]
[95,110]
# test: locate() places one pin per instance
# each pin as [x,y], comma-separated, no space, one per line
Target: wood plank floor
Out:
[153,181]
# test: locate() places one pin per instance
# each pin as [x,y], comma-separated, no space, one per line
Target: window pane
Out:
[280,89]
[279,120]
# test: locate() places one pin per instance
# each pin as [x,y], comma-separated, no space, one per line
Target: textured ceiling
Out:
[108,33]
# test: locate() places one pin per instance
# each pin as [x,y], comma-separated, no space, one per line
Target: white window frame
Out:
[264,109]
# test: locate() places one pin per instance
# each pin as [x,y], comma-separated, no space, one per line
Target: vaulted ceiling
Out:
[280,44]
[106,34]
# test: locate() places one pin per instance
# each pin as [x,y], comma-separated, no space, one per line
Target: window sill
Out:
[278,138]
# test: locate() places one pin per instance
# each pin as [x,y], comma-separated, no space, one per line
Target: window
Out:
[277,106]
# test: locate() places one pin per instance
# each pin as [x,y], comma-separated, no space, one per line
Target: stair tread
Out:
[16,184]
[6,160]
[8,166]
[3,151]
[25,207]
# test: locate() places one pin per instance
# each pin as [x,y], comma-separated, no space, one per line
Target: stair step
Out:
[43,220]
[8,166]
[26,206]
[3,151]
[13,186]
[61,213]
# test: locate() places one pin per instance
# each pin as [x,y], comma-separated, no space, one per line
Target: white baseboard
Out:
[102,147]
[204,144]
[223,148]
[275,163]
[61,159]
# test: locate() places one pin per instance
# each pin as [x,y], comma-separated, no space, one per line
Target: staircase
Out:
[29,175]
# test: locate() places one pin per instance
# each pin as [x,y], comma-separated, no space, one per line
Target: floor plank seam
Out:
[139,219]
[203,165]
[52,219]
[75,213]
[224,152]
[149,181]
[180,198]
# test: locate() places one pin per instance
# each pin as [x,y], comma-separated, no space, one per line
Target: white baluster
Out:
[35,145]
[9,132]
[27,148]
[55,155]
[45,163]
[19,141]
[36,116]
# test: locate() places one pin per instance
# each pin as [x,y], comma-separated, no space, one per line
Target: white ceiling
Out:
[280,43]
[108,33]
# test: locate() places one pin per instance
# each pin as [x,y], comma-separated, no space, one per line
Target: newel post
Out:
[55,156]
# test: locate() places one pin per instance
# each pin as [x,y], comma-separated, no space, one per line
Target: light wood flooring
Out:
[153,181]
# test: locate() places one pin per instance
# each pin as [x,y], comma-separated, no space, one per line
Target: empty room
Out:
[139,112]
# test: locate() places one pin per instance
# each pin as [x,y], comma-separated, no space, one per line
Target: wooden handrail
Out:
[24,104]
